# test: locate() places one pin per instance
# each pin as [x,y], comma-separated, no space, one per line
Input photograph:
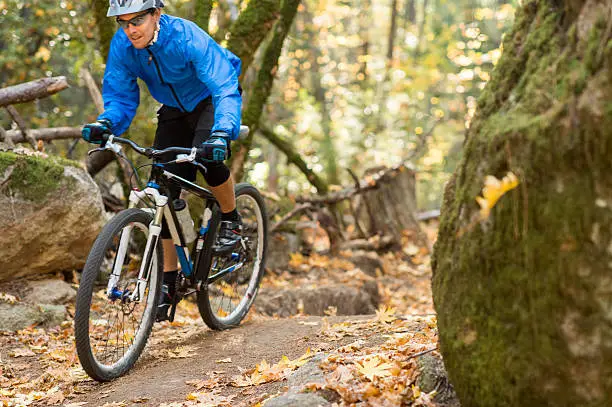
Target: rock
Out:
[53,315]
[52,213]
[368,262]
[308,373]
[348,300]
[433,377]
[280,247]
[50,291]
[19,316]
[297,400]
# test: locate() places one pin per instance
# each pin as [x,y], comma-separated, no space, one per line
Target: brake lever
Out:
[199,164]
[90,152]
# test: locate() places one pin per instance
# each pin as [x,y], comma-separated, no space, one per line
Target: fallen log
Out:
[29,91]
[46,134]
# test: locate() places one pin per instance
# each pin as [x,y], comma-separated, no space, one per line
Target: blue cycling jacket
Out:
[182,68]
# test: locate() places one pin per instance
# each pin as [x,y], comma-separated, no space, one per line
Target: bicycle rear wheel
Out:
[233,280]
[111,327]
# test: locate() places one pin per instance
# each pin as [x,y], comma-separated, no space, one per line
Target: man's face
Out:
[141,28]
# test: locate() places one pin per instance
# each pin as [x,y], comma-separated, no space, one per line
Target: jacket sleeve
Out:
[216,71]
[120,92]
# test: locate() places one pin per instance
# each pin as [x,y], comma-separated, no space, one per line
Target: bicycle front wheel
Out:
[233,279]
[113,318]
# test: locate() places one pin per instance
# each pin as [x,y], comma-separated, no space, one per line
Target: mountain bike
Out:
[120,284]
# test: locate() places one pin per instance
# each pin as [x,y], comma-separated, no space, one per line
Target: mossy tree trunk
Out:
[250,29]
[524,298]
[263,86]
[203,10]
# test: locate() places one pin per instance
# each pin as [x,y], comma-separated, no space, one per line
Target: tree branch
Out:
[292,213]
[21,124]
[295,158]
[29,91]
[364,185]
[46,134]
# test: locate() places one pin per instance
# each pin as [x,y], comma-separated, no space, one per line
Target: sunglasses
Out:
[136,21]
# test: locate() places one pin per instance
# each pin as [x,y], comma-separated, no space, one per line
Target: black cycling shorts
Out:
[188,129]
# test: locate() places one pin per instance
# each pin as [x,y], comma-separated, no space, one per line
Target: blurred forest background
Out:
[359,84]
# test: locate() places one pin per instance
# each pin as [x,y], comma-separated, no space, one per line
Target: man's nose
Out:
[132,29]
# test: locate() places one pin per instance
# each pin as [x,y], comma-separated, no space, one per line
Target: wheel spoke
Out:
[116,328]
[231,295]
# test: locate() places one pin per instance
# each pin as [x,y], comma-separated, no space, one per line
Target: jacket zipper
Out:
[152,57]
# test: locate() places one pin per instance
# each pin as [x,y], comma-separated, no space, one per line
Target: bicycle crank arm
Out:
[224,272]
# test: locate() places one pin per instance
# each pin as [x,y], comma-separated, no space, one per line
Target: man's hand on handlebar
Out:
[94,132]
[215,148]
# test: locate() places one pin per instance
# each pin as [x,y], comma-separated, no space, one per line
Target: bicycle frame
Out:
[160,178]
[202,250]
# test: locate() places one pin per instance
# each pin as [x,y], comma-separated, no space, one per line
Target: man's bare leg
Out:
[225,195]
[170,258]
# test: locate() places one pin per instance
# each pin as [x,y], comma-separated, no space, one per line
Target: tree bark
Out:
[251,28]
[29,91]
[50,134]
[410,13]
[295,158]
[104,24]
[365,21]
[263,86]
[203,10]
[92,87]
[392,32]
[523,296]
[421,32]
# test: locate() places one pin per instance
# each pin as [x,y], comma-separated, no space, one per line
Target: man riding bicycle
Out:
[196,80]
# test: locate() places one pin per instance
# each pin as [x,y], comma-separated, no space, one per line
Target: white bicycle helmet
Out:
[120,7]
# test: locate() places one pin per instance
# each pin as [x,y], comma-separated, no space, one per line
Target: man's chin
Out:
[138,44]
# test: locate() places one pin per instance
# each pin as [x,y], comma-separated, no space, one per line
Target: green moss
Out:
[33,178]
[505,287]
[250,29]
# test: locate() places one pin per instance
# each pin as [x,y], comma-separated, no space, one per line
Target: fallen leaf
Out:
[385,314]
[374,367]
[226,360]
[493,190]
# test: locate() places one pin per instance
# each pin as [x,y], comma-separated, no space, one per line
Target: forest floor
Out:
[367,358]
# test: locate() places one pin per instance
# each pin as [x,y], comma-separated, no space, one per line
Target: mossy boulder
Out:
[524,297]
[52,212]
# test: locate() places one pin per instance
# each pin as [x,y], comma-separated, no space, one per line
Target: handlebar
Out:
[192,153]
[186,154]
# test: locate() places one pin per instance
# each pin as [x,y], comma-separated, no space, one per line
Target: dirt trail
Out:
[163,380]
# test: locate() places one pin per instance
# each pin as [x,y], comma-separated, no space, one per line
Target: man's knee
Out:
[216,174]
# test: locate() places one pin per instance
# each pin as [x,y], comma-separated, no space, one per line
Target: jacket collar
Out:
[163,34]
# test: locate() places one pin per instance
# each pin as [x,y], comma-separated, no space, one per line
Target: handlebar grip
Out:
[200,154]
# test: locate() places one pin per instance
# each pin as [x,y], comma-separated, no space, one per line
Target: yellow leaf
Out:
[8,298]
[374,367]
[493,190]
[385,314]
[296,259]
